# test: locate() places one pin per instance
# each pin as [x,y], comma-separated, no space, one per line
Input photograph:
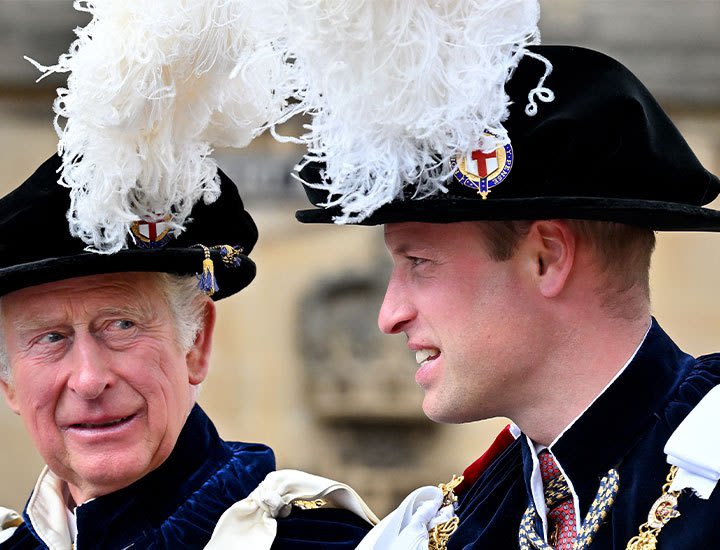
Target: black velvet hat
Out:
[603,149]
[36,246]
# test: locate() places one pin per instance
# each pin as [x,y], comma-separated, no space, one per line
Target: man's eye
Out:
[123,324]
[51,338]
[119,331]
[415,261]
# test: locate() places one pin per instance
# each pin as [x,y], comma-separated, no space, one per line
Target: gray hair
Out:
[4,360]
[184,299]
[187,306]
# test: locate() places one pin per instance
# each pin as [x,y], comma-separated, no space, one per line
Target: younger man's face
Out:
[465,317]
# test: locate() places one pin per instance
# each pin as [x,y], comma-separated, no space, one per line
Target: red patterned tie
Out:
[562,527]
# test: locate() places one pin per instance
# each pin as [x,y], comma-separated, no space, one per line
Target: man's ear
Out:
[10,396]
[198,357]
[551,248]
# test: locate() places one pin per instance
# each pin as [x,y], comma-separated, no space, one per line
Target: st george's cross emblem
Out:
[482,171]
[152,234]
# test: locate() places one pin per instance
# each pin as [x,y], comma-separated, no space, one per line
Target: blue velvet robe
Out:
[625,428]
[178,504]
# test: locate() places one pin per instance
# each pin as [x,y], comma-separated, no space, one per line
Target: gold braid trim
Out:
[309,504]
[441,533]
[15,521]
[664,509]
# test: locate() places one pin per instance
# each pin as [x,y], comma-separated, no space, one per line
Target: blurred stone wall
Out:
[298,361]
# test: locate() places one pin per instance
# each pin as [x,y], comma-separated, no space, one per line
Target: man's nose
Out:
[396,310]
[91,373]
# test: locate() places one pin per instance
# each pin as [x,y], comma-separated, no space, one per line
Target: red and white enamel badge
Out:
[152,234]
[482,171]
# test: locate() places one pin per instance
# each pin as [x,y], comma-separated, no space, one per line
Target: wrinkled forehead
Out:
[110,290]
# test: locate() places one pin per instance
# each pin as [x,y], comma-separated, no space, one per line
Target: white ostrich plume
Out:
[396,88]
[147,99]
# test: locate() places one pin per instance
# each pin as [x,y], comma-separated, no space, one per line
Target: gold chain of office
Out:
[662,511]
[441,533]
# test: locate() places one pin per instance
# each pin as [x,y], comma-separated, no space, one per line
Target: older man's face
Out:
[98,377]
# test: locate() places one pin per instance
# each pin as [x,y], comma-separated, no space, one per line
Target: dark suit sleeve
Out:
[21,539]
[321,528]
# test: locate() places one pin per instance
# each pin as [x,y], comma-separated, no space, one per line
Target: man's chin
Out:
[439,412]
[446,412]
[93,477]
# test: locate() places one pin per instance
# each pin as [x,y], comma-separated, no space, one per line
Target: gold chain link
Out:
[662,511]
[441,533]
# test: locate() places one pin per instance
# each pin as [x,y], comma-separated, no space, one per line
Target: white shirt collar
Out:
[536,484]
[48,513]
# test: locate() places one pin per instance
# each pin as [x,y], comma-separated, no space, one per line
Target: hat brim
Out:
[178,261]
[658,215]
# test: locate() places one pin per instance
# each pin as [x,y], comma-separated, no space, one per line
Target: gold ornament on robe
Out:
[662,511]
[440,534]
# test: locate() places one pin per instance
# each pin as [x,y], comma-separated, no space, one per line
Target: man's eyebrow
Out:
[37,322]
[114,311]
[138,310]
[400,249]
[41,321]
[406,248]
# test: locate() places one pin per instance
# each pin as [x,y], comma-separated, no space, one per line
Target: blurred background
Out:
[299,363]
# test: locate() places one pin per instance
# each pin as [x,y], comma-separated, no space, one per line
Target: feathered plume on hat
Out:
[398,89]
[148,96]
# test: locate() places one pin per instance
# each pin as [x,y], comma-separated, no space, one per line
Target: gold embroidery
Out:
[309,504]
[440,534]
[15,521]
[662,511]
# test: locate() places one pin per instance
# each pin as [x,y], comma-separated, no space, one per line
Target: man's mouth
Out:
[422,356]
[96,425]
